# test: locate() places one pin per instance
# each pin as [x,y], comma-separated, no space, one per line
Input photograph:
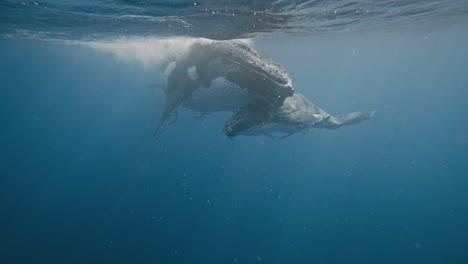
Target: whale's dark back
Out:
[238,63]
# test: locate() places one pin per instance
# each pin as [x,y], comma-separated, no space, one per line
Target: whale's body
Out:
[216,76]
[299,114]
[221,95]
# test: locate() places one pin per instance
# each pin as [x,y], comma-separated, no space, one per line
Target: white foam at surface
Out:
[150,51]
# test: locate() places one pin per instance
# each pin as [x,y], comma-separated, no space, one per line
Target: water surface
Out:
[82,180]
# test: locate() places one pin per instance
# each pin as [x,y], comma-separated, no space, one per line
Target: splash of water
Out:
[149,51]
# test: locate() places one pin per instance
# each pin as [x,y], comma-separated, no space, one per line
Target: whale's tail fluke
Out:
[333,122]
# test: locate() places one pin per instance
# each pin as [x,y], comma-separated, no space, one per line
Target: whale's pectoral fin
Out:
[172,117]
[169,108]
[349,119]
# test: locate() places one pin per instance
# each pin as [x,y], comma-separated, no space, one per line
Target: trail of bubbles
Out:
[147,51]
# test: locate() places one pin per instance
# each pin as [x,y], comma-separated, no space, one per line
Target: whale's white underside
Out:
[221,95]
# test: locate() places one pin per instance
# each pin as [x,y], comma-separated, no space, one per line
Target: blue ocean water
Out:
[83,181]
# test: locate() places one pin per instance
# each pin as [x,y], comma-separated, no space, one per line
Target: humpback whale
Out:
[215,76]
[294,115]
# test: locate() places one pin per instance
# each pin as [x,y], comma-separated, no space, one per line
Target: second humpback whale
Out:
[214,76]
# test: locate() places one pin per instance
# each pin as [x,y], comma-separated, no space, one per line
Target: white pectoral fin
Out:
[351,118]
[169,108]
[305,117]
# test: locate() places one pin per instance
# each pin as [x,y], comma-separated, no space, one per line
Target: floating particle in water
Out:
[462,138]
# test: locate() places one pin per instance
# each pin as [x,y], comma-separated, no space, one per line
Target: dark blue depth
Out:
[82,180]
